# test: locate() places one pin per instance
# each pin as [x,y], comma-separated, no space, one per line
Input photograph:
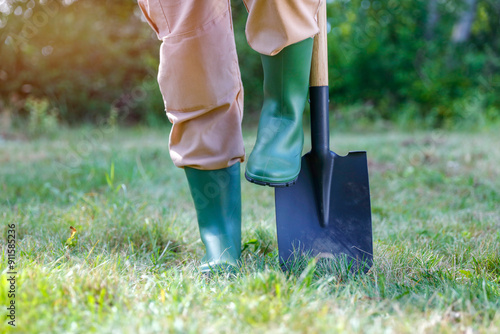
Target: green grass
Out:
[436,219]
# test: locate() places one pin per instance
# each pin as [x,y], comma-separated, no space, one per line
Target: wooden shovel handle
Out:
[319,64]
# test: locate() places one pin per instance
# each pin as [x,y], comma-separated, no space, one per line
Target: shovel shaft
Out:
[318,90]
[319,64]
[320,125]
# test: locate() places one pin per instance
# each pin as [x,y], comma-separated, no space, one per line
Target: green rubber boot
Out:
[275,159]
[217,199]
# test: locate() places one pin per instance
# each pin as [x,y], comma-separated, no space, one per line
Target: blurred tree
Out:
[84,55]
[462,29]
[432,19]
[394,54]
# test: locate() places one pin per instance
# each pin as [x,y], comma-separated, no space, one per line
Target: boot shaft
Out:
[286,78]
[217,199]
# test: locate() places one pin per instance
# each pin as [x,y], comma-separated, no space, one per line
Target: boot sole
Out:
[271,184]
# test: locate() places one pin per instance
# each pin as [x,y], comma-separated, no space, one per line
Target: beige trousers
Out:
[199,75]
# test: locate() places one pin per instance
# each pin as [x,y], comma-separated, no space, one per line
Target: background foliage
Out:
[431,60]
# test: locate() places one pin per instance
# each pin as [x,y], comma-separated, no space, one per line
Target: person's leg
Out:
[200,82]
[281,32]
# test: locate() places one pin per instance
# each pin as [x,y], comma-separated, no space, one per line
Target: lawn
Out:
[132,267]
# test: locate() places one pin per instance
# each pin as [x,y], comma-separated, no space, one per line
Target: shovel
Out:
[326,214]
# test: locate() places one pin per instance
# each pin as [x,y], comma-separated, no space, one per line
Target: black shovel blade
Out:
[346,234]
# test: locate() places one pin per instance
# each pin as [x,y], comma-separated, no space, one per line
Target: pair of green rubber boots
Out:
[274,161]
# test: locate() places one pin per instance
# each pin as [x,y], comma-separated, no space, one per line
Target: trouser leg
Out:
[200,81]
[275,24]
